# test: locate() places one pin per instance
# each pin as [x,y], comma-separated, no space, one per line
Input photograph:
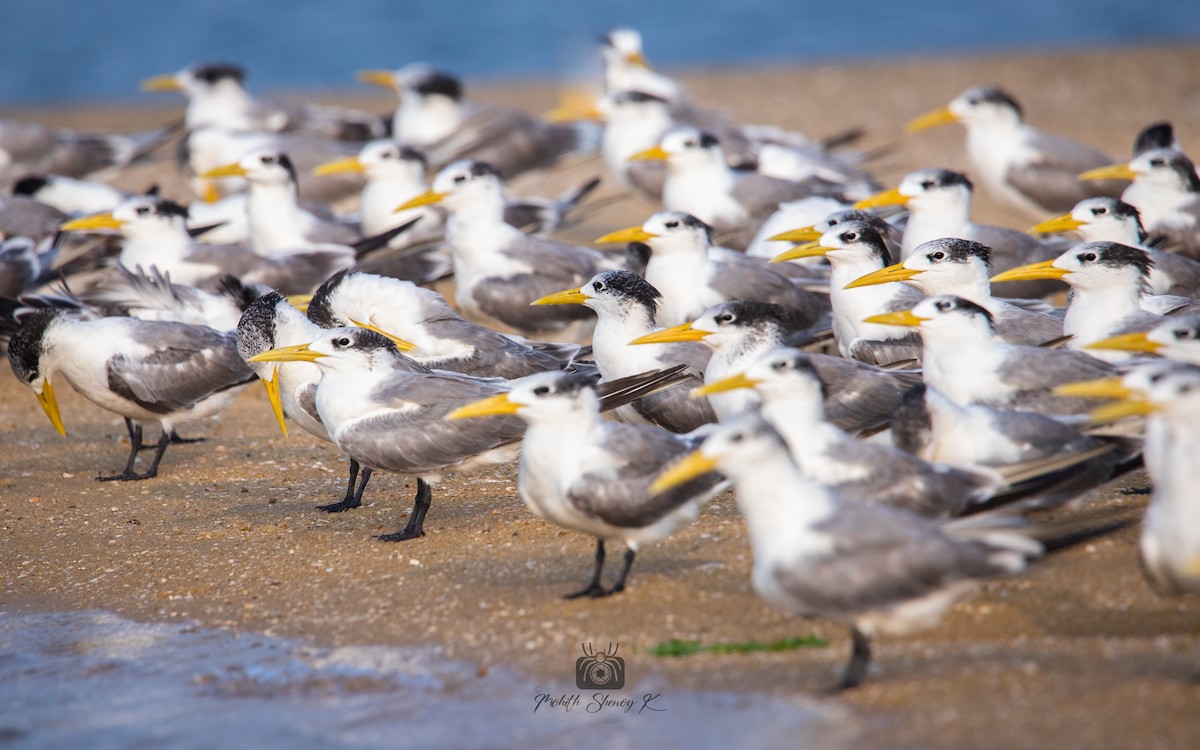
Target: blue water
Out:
[55,51]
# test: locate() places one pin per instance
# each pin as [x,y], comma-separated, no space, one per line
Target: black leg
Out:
[416,522]
[128,474]
[860,658]
[594,589]
[352,499]
[619,586]
[176,440]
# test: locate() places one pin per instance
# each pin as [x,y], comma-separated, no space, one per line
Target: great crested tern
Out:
[1027,169]
[693,274]
[217,96]
[733,201]
[855,249]
[155,234]
[434,117]
[626,308]
[878,569]
[961,268]
[859,398]
[793,397]
[964,360]
[499,270]
[70,195]
[146,371]
[626,67]
[1108,283]
[1174,338]
[1114,220]
[435,335]
[590,474]
[1166,192]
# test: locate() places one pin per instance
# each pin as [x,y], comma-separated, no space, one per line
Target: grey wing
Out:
[1052,179]
[860,397]
[751,279]
[676,410]
[1034,373]
[886,351]
[1017,325]
[881,557]
[299,273]
[25,217]
[507,300]
[187,364]
[761,194]
[903,481]
[1141,321]
[1182,272]
[509,139]
[622,499]
[1011,248]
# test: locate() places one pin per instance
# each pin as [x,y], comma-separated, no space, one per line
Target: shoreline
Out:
[1079,651]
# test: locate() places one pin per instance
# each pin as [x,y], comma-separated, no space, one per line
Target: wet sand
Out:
[1078,653]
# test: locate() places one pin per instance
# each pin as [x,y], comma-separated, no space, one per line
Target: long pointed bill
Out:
[300,301]
[803,234]
[883,276]
[891,197]
[1043,270]
[50,406]
[225,170]
[567,297]
[209,192]
[298,353]
[807,250]
[89,223]
[426,198]
[385,78]
[654,153]
[499,404]
[1135,407]
[1128,342]
[631,234]
[905,318]
[1064,223]
[161,83]
[1102,388]
[272,386]
[638,59]
[401,344]
[689,467]
[728,384]
[684,332]
[1113,172]
[932,119]
[340,166]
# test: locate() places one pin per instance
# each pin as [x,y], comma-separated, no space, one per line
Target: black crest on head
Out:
[408,153]
[320,309]
[213,72]
[256,327]
[30,185]
[956,250]
[708,140]
[1153,136]
[481,168]
[752,314]
[950,303]
[1115,255]
[27,345]
[993,95]
[168,208]
[438,82]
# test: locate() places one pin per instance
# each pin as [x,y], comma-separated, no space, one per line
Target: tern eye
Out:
[944,305]
[1099,211]
[1183,334]
[1087,257]
[1155,378]
[1158,163]
[939,255]
[388,155]
[460,178]
[973,101]
[598,286]
[689,144]
[736,437]
[849,237]
[541,390]
[779,366]
[142,210]
[267,159]
[928,185]
[725,318]
[671,224]
[344,341]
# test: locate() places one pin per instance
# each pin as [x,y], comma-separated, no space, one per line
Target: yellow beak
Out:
[732,383]
[498,404]
[1134,407]
[803,234]
[638,59]
[161,83]
[684,332]
[932,119]
[883,276]
[689,467]
[340,166]
[1064,223]
[1102,388]
[401,344]
[1128,342]
[807,250]
[1113,172]
[574,106]
[891,197]
[300,301]
[1043,270]
[567,297]
[50,406]
[227,170]
[385,78]
[298,353]
[426,198]
[654,153]
[631,234]
[95,221]
[210,193]
[272,386]
[905,318]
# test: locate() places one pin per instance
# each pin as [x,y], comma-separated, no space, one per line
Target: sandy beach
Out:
[1079,652]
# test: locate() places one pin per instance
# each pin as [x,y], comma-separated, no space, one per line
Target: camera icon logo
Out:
[602,670]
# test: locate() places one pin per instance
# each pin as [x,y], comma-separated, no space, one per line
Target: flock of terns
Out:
[884,381]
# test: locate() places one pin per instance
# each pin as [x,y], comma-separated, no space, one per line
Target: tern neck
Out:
[274,217]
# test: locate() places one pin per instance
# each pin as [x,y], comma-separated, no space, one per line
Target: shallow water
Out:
[95,680]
